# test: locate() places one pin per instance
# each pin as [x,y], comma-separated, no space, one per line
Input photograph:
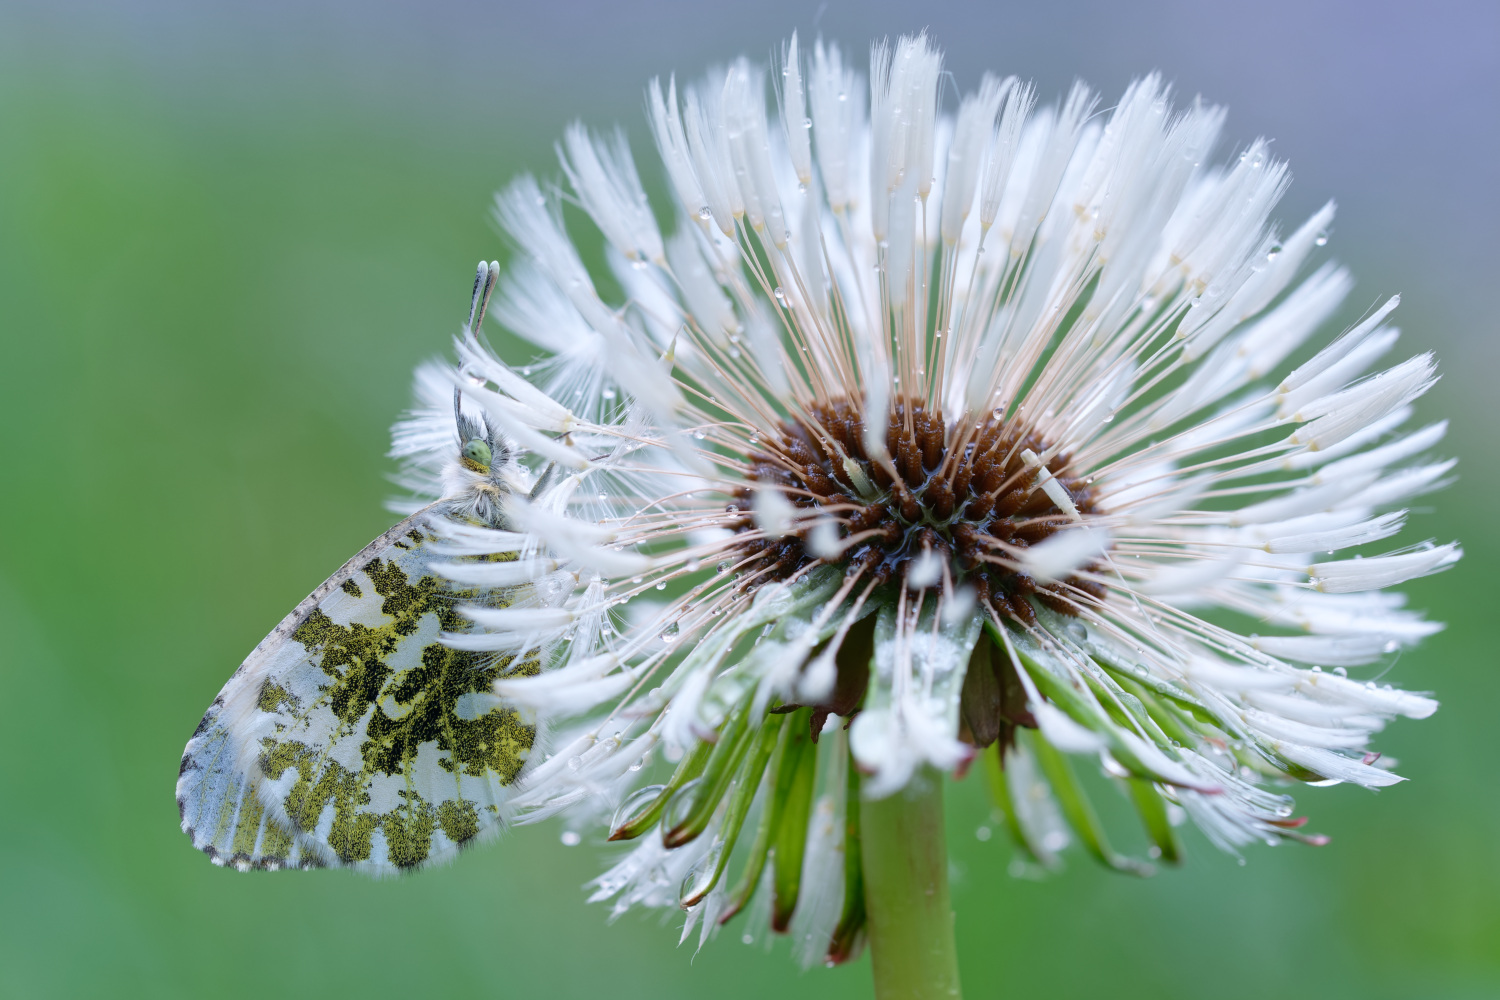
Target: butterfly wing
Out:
[351,736]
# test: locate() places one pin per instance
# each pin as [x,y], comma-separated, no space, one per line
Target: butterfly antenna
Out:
[484,286]
[485,277]
[468,427]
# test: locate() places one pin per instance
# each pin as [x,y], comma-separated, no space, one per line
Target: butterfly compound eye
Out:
[476,456]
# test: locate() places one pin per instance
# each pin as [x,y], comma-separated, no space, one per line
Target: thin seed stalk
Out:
[910,918]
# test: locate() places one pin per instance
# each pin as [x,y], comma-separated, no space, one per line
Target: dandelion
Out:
[902,438]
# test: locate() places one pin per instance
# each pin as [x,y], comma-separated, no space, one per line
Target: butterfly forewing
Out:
[352,736]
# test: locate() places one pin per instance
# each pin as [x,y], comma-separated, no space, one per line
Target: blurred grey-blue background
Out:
[228,231]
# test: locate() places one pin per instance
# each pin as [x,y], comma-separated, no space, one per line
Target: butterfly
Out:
[351,736]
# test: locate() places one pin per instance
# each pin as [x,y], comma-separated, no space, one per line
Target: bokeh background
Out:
[227,233]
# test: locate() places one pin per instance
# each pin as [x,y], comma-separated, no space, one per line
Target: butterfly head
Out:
[485,471]
[481,449]
[477,456]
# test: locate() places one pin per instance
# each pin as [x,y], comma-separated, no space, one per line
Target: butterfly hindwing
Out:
[221,811]
[351,736]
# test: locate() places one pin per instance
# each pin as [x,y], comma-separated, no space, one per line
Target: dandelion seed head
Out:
[920,434]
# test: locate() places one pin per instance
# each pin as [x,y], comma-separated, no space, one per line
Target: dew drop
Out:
[723,566]
[669,634]
[638,801]
[570,838]
[1322,240]
[681,803]
[661,585]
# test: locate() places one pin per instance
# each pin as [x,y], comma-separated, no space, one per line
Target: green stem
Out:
[906,893]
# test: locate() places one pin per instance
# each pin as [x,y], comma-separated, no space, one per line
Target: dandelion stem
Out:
[906,893]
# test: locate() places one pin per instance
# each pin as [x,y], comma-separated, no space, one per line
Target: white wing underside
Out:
[350,736]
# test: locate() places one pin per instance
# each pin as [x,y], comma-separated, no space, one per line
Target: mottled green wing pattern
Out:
[351,736]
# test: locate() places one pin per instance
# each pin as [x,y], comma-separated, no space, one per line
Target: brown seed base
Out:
[961,492]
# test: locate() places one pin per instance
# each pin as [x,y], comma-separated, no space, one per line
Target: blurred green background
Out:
[228,232]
